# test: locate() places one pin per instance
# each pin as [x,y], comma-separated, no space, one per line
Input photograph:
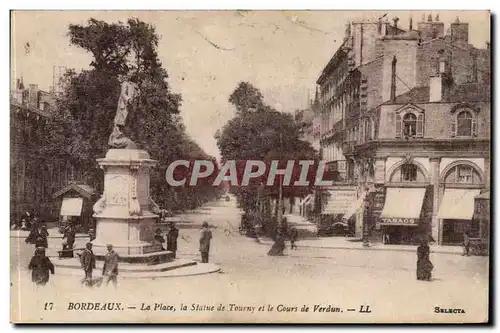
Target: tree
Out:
[258,132]
[83,120]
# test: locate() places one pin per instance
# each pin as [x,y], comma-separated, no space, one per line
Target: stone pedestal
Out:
[125,214]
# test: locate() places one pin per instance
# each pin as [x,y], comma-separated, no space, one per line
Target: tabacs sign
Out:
[398,221]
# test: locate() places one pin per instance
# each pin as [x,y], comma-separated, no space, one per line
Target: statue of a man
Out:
[117,139]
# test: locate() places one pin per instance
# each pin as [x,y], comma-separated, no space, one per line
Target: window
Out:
[408,173]
[464,175]
[466,124]
[410,125]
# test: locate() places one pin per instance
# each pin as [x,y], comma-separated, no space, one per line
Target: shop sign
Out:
[398,221]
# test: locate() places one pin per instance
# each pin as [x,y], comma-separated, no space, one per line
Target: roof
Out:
[485,195]
[339,54]
[470,92]
[415,95]
[84,190]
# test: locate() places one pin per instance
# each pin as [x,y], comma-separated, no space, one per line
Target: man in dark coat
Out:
[40,266]
[173,234]
[110,268]
[70,235]
[87,259]
[205,237]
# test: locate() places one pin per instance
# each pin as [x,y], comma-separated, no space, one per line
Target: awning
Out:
[403,203]
[457,204]
[340,201]
[71,206]
[353,208]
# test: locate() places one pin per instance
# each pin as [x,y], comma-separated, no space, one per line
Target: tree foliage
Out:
[83,120]
[258,132]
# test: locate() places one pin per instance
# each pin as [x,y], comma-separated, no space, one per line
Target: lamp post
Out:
[280,195]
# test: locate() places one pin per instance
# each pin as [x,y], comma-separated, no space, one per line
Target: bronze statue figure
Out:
[117,139]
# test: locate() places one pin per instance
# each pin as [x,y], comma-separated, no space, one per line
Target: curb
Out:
[340,247]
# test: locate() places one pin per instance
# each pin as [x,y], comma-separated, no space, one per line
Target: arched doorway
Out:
[462,182]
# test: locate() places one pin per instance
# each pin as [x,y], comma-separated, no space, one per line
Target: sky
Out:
[206,53]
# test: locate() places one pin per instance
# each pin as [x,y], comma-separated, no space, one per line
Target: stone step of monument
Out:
[74,263]
[191,270]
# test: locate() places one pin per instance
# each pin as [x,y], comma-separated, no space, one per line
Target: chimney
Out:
[393,78]
[459,31]
[33,95]
[396,19]
[411,24]
[436,89]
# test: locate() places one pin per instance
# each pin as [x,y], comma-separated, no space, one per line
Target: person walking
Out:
[110,268]
[294,234]
[466,244]
[40,266]
[424,265]
[87,259]
[205,237]
[173,234]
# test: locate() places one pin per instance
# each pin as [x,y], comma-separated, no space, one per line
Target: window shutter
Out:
[420,125]
[474,127]
[453,128]
[398,126]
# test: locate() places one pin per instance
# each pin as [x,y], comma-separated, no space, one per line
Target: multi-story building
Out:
[34,177]
[417,138]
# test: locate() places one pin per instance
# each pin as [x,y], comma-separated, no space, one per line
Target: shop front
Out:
[401,219]
[456,211]
[338,214]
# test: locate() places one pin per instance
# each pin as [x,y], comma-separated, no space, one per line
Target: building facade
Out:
[418,140]
[34,177]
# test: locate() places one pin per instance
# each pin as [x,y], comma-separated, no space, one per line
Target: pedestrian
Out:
[294,234]
[110,268]
[205,237]
[424,265]
[87,260]
[40,266]
[278,247]
[173,234]
[44,234]
[466,244]
[70,235]
[158,239]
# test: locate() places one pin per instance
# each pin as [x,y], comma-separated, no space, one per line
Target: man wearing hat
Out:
[205,237]
[87,259]
[110,269]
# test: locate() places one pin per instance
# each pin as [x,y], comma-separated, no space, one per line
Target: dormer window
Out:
[409,123]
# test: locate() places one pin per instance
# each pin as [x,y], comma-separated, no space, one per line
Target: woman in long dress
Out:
[40,266]
[278,247]
[424,265]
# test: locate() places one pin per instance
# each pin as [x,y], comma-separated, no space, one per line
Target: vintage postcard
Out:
[250,166]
